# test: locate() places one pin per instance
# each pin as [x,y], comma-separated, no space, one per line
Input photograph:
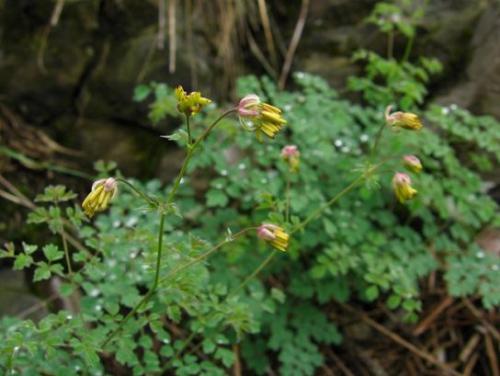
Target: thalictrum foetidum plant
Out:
[242,256]
[262,119]
[128,316]
[195,292]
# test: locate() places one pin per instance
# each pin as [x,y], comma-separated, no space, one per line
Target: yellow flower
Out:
[412,163]
[274,235]
[291,155]
[190,104]
[405,120]
[401,183]
[261,118]
[102,193]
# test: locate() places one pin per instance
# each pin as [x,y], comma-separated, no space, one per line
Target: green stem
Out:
[188,129]
[262,265]
[190,154]
[408,48]
[152,289]
[378,137]
[66,253]
[65,247]
[287,208]
[148,199]
[209,129]
[203,256]
[170,199]
[9,362]
[333,200]
[187,342]
[390,44]
[354,184]
[259,268]
[304,223]
[301,225]
[160,247]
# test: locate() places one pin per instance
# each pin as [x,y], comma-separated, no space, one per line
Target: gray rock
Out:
[16,299]
[479,88]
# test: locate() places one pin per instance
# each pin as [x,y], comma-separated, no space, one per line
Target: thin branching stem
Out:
[287,193]
[378,137]
[188,126]
[390,44]
[204,255]
[152,289]
[329,203]
[408,48]
[146,198]
[257,270]
[354,184]
[169,201]
[177,355]
[66,253]
[191,150]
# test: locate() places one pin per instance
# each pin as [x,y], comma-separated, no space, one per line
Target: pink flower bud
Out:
[405,120]
[110,185]
[275,235]
[249,106]
[290,151]
[401,183]
[401,178]
[103,191]
[264,232]
[412,163]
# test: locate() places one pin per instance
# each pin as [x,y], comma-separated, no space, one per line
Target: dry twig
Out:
[401,341]
[339,363]
[479,316]
[172,37]
[492,355]
[161,25]
[427,322]
[237,362]
[54,20]
[266,24]
[297,33]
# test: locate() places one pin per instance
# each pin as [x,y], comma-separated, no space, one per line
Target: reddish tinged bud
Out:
[273,234]
[412,163]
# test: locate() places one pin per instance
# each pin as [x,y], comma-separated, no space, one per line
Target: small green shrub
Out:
[266,305]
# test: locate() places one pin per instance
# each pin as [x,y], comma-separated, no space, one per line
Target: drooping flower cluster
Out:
[190,104]
[401,183]
[103,191]
[405,120]
[259,117]
[265,119]
[275,235]
[291,155]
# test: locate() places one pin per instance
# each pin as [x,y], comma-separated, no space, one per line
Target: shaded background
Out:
[70,70]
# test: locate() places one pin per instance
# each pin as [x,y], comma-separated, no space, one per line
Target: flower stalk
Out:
[139,192]
[188,126]
[66,254]
[204,255]
[152,289]
[354,184]
[170,198]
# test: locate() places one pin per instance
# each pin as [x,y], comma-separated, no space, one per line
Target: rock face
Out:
[75,78]
[479,87]
[17,300]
